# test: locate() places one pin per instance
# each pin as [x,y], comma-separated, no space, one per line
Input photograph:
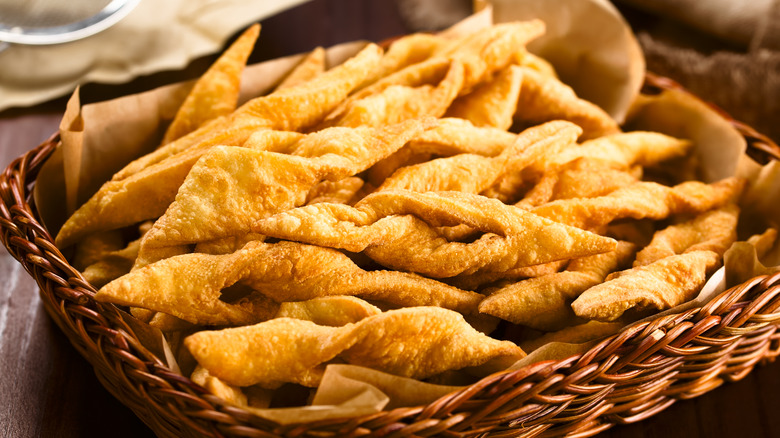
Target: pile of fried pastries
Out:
[394,210]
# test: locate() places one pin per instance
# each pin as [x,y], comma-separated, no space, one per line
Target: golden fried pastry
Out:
[580,178]
[527,59]
[642,200]
[363,215]
[550,138]
[714,230]
[492,103]
[256,184]
[396,103]
[190,286]
[414,342]
[480,54]
[453,136]
[544,98]
[491,49]
[660,285]
[478,280]
[472,173]
[624,149]
[112,265]
[336,192]
[215,93]
[145,187]
[544,303]
[334,311]
[289,109]
[215,386]
[395,228]
[406,51]
[310,67]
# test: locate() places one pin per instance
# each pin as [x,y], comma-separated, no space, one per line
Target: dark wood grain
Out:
[47,389]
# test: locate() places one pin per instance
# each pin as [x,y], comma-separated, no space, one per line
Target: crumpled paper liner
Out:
[100,138]
[154,36]
[609,76]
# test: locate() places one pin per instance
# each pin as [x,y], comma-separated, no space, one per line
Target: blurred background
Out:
[727,51]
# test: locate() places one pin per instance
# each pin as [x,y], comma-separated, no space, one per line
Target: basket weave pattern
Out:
[625,378]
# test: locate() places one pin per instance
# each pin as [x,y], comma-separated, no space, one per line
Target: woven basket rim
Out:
[574,395]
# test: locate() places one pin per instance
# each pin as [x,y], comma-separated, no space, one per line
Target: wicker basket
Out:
[626,378]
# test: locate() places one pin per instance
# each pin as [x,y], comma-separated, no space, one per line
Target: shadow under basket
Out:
[625,378]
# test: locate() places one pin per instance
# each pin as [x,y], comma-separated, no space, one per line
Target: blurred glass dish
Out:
[44,22]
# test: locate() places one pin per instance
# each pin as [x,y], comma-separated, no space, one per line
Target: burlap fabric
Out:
[728,53]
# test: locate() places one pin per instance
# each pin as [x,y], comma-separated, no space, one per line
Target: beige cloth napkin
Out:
[155,36]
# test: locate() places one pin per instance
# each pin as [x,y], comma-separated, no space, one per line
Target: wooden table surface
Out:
[47,389]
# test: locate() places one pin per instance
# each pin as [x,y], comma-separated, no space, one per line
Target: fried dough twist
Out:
[144,188]
[246,185]
[189,286]
[642,200]
[544,303]
[414,342]
[396,229]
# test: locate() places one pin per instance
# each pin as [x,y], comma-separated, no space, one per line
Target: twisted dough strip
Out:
[662,284]
[714,231]
[254,184]
[623,150]
[643,200]
[480,279]
[492,49]
[453,136]
[413,342]
[405,51]
[309,68]
[216,92]
[146,187]
[396,229]
[189,286]
[472,173]
[492,103]
[337,192]
[397,103]
[449,137]
[544,98]
[543,303]
[333,310]
[481,53]
[580,178]
[466,61]
[667,272]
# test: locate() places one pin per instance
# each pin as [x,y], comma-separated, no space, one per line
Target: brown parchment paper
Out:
[100,138]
